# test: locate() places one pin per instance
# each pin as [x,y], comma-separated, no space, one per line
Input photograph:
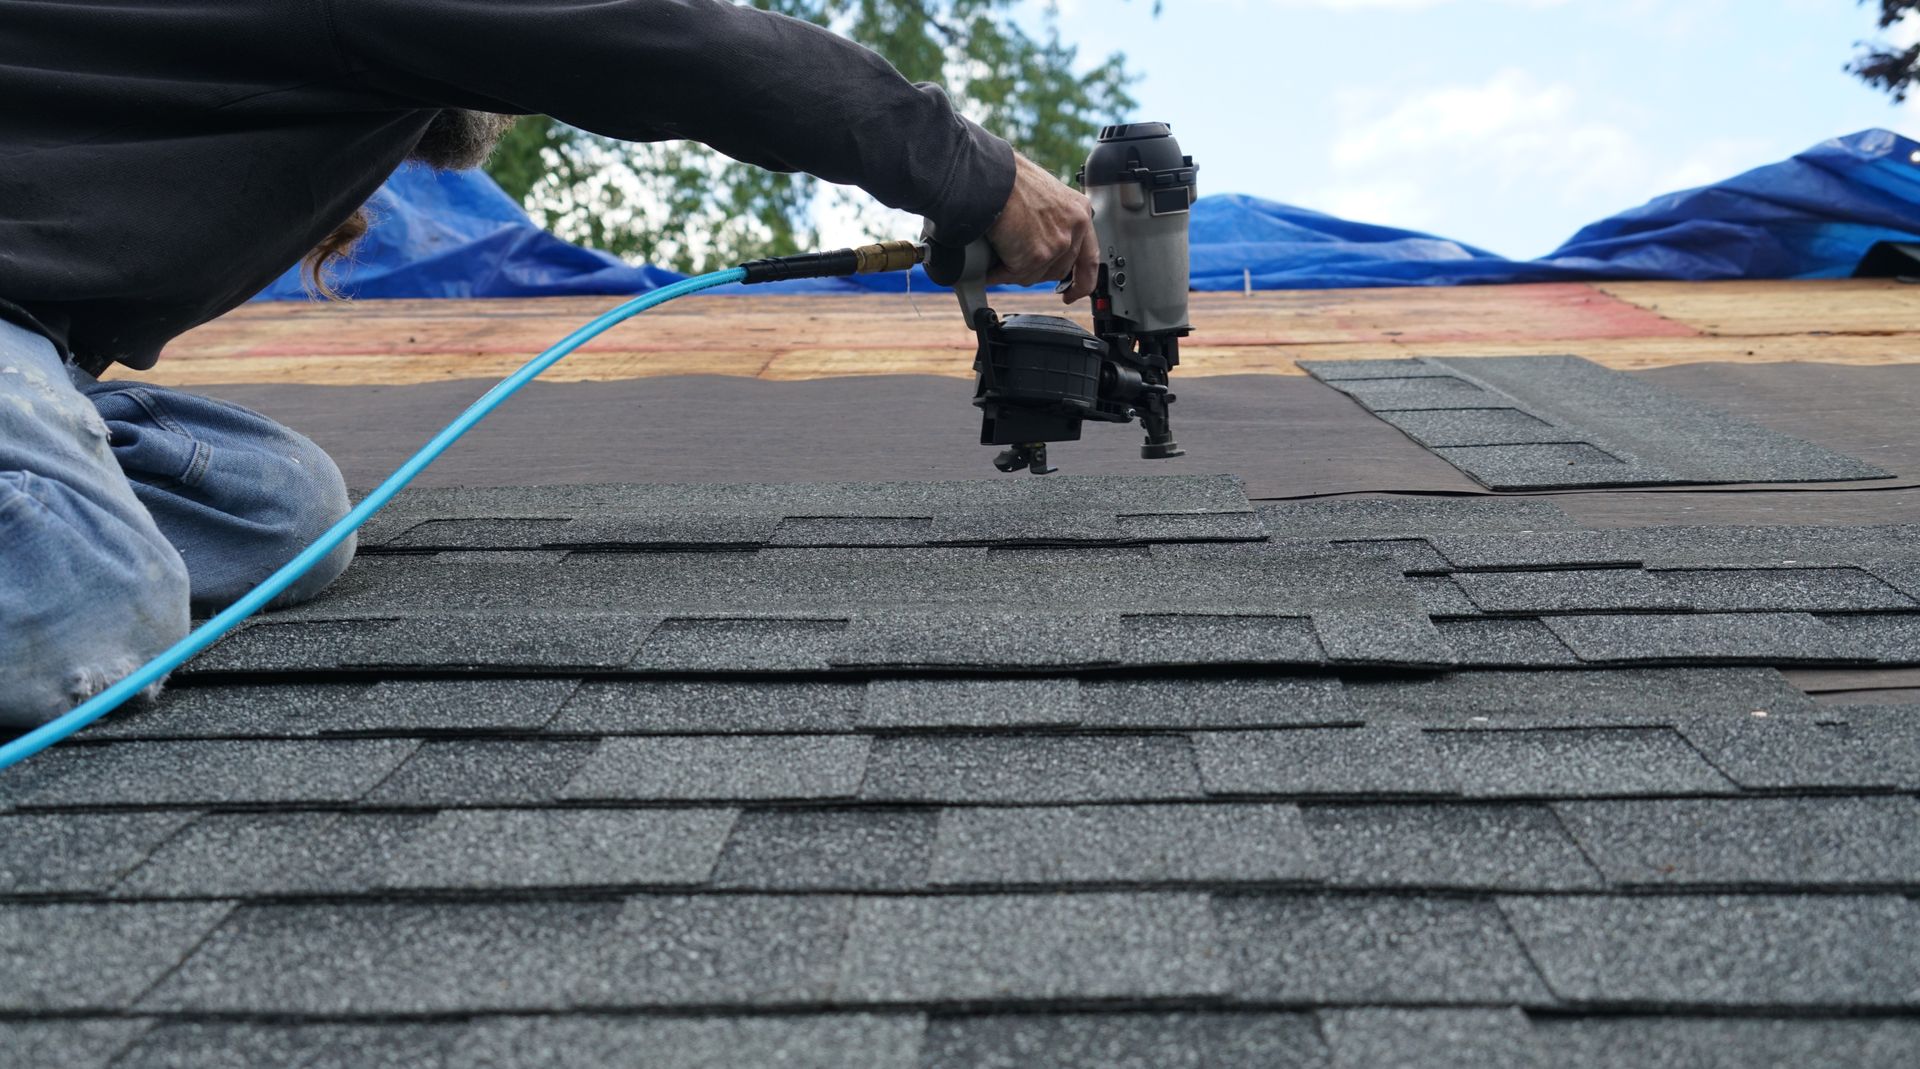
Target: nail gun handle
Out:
[964,268]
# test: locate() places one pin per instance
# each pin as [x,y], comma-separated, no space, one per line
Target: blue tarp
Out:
[1813,216]
[455,234]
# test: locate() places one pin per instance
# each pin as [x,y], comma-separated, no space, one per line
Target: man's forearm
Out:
[762,88]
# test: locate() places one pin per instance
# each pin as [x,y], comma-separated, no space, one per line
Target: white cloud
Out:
[1460,159]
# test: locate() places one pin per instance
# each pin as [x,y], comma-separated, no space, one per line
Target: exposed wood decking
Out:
[1624,325]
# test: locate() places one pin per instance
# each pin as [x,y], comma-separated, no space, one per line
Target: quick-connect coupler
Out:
[865,260]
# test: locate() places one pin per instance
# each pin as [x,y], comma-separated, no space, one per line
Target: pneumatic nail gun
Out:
[1037,378]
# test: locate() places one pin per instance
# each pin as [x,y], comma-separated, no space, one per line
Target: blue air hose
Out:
[213,630]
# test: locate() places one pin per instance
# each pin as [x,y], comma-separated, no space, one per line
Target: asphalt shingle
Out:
[669,767]
[1745,951]
[76,852]
[93,956]
[1326,949]
[1891,734]
[828,849]
[1756,842]
[461,706]
[1439,595]
[1660,437]
[1407,516]
[1704,638]
[970,703]
[492,850]
[911,638]
[1890,638]
[1125,1041]
[741,645]
[1781,590]
[1031,947]
[235,1045]
[1195,639]
[206,773]
[344,858]
[721,707]
[824,1041]
[1729,1043]
[1553,466]
[277,710]
[1320,761]
[1475,847]
[1575,762]
[1764,751]
[1195,527]
[1508,550]
[1163,844]
[228,854]
[1577,699]
[828,531]
[719,950]
[468,772]
[1246,702]
[1432,1039]
[383,958]
[1575,590]
[1440,428]
[1360,636]
[1025,525]
[1413,556]
[69,1043]
[1032,769]
[1414,393]
[421,626]
[1505,644]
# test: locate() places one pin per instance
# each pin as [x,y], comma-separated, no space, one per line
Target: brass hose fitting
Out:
[886,256]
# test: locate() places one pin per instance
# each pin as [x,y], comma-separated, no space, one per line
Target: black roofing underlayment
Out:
[1077,772]
[1550,422]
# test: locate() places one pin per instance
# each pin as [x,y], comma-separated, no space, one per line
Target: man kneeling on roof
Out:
[160,162]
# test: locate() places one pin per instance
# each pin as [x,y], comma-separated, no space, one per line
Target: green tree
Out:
[1886,66]
[685,206]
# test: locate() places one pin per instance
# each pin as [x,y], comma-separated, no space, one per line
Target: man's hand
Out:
[1045,232]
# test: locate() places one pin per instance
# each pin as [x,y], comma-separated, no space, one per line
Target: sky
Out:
[1506,124]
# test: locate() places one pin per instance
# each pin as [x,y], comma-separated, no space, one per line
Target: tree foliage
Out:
[685,206]
[1887,66]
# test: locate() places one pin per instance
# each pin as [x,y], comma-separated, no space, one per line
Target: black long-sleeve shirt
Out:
[163,160]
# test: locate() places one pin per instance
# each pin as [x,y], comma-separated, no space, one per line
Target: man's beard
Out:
[457,139]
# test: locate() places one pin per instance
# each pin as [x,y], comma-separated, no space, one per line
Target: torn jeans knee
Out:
[84,600]
[89,587]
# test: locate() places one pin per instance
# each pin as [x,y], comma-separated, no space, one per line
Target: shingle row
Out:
[1385,637]
[1330,1039]
[446,708]
[1827,842]
[729,951]
[1075,510]
[1539,422]
[479,709]
[1050,768]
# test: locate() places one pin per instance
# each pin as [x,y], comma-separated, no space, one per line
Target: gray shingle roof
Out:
[1540,422]
[825,776]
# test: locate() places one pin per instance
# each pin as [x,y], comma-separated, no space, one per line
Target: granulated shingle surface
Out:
[1032,947]
[1735,951]
[1533,422]
[1115,773]
[1387,950]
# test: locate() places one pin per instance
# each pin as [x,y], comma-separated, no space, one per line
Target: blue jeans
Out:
[124,508]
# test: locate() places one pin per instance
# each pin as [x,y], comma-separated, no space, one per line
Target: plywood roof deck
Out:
[1628,326]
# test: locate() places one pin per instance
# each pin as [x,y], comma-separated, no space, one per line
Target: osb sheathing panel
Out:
[1626,326]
